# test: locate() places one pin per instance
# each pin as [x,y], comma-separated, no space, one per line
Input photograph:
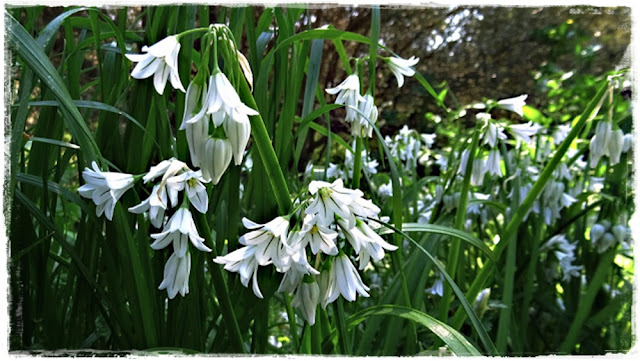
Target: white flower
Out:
[344,280]
[620,232]
[493,163]
[306,300]
[366,243]
[270,241]
[227,109]
[196,191]
[298,269]
[599,144]
[369,166]
[349,95]
[478,172]
[167,168]
[597,231]
[160,59]
[361,127]
[428,139]
[243,261]
[492,134]
[523,132]
[513,104]
[178,230]
[176,275]
[238,131]
[195,121]
[195,104]
[331,199]
[385,190]
[216,160]
[320,237]
[561,133]
[156,204]
[614,146]
[402,67]
[437,288]
[197,135]
[104,188]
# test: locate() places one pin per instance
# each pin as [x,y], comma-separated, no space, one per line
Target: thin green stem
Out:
[293,326]
[357,164]
[220,286]
[343,339]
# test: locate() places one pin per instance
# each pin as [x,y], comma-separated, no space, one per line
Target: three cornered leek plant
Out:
[211,192]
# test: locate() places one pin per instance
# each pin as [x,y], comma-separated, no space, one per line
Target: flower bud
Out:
[620,232]
[217,158]
[597,230]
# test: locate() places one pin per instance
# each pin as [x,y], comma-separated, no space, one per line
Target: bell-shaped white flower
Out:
[195,107]
[197,135]
[223,99]
[513,104]
[191,182]
[598,146]
[156,204]
[244,262]
[104,188]
[306,300]
[402,67]
[161,61]
[614,146]
[270,241]
[217,157]
[238,130]
[597,231]
[493,163]
[176,275]
[349,95]
[345,280]
[361,127]
[493,132]
[478,171]
[227,109]
[524,132]
[299,266]
[178,231]
[318,236]
[365,242]
[438,287]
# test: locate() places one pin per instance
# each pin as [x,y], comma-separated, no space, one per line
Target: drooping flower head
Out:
[402,67]
[161,61]
[104,188]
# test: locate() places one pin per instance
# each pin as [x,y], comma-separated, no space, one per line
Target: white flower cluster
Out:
[565,255]
[493,133]
[218,103]
[333,222]
[604,236]
[362,113]
[408,146]
[606,141]
[106,188]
